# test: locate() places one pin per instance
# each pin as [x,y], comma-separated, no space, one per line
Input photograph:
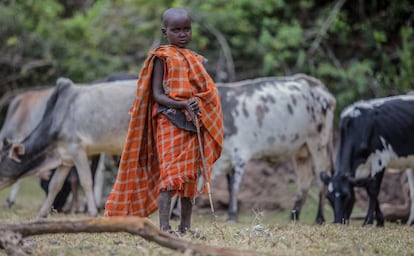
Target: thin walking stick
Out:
[203,159]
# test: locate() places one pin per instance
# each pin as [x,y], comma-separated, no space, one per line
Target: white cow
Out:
[23,115]
[277,118]
[79,121]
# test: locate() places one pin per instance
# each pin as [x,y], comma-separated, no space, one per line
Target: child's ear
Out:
[164,31]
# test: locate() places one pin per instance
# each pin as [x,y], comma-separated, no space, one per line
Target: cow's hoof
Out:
[9,203]
[367,224]
[294,216]
[232,218]
[93,214]
[41,216]
[319,222]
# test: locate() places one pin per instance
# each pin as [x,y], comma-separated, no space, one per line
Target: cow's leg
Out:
[234,182]
[99,180]
[175,212]
[373,189]
[63,193]
[320,149]
[85,177]
[410,177]
[320,219]
[303,168]
[229,177]
[11,199]
[73,181]
[369,218]
[55,185]
[232,210]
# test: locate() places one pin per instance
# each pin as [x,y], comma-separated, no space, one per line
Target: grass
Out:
[267,233]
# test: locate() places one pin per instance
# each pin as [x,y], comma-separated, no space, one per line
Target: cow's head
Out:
[340,195]
[16,163]
[10,158]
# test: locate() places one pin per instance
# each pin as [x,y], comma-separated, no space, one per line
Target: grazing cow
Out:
[278,119]
[79,121]
[374,134]
[23,115]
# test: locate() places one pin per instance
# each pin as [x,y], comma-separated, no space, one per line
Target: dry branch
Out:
[325,26]
[133,225]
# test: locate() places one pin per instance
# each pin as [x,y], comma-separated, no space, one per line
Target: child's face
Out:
[178,31]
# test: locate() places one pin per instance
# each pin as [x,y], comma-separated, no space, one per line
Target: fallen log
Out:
[133,225]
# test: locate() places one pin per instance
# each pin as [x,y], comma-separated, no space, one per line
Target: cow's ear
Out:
[15,151]
[325,178]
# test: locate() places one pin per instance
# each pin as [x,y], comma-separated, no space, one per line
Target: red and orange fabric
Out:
[141,173]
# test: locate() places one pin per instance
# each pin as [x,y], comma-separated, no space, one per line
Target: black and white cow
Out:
[277,119]
[79,121]
[374,134]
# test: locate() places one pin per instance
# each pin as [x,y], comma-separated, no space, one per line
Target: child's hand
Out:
[192,106]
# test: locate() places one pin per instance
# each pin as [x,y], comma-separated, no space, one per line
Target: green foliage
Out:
[400,77]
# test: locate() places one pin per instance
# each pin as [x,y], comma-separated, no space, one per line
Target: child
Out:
[161,157]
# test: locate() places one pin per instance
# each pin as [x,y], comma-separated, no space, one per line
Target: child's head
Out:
[176,26]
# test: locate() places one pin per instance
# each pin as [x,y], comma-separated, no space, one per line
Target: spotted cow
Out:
[374,134]
[278,119]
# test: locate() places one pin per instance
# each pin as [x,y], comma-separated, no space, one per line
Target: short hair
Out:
[173,12]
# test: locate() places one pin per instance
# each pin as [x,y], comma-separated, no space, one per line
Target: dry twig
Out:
[325,26]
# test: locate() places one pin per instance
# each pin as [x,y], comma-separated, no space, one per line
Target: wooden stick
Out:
[203,159]
[133,225]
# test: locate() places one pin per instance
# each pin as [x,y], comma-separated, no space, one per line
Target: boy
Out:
[161,156]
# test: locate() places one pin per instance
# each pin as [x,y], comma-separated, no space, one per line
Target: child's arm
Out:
[161,98]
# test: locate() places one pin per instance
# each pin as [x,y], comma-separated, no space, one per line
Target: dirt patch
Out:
[265,186]
[272,187]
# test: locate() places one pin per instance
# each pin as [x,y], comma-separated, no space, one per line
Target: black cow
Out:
[374,134]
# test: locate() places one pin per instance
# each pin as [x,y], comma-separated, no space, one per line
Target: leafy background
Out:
[359,49]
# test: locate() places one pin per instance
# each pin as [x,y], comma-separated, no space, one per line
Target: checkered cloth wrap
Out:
[140,175]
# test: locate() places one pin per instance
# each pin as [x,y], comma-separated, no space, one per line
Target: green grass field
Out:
[267,233]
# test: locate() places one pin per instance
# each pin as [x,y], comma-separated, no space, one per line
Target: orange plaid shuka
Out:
[140,175]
